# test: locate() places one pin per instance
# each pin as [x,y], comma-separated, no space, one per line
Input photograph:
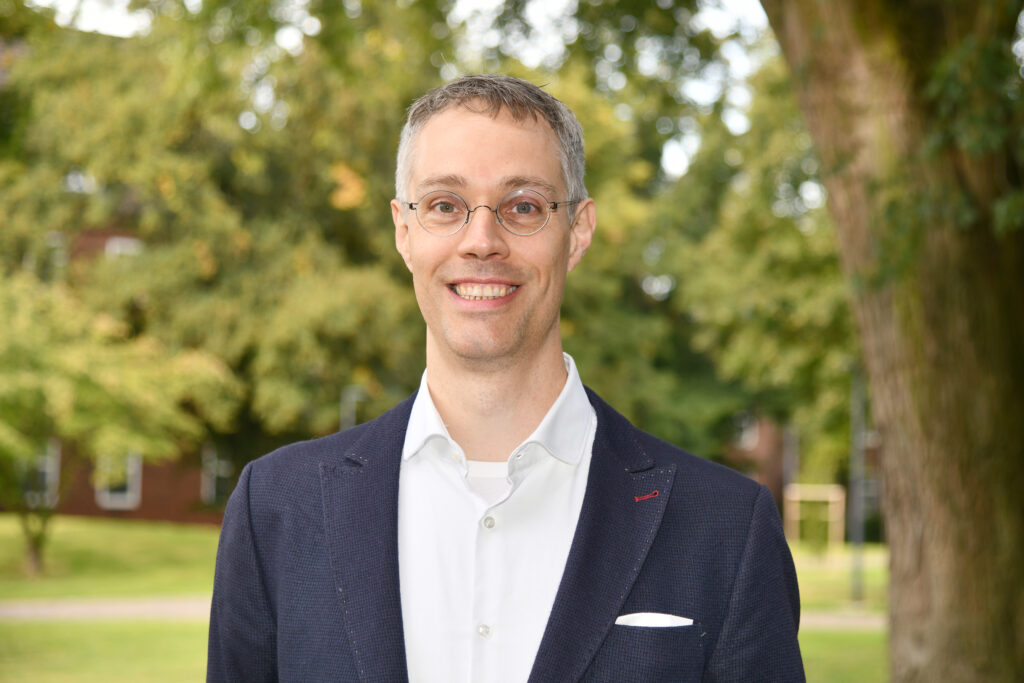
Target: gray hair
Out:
[493,94]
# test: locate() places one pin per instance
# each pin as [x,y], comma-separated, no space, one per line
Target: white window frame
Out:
[48,464]
[131,497]
[120,245]
[750,432]
[214,467]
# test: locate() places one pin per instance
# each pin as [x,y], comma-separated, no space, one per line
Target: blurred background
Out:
[197,266]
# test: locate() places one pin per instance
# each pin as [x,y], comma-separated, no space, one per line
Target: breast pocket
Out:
[642,653]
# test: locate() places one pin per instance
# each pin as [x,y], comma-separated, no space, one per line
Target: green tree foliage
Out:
[250,147]
[726,263]
[68,370]
[76,376]
[259,180]
[635,345]
[764,285]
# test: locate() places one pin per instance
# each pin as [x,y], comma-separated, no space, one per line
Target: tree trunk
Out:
[34,557]
[939,301]
[34,525]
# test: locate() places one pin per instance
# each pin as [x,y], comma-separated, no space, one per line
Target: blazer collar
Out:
[622,509]
[360,498]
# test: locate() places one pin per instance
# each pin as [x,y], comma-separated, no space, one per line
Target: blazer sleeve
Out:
[758,640]
[242,641]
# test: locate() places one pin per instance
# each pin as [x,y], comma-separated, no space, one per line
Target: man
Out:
[504,523]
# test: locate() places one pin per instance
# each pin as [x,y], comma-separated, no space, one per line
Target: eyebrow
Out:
[518,181]
[509,183]
[442,182]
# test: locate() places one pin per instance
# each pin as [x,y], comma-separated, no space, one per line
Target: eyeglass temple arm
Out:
[554,205]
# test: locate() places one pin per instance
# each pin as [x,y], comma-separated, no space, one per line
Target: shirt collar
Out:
[562,433]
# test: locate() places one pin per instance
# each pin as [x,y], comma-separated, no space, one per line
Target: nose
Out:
[483,237]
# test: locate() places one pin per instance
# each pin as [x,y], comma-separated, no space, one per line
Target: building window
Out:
[122,246]
[216,482]
[749,432]
[42,479]
[118,482]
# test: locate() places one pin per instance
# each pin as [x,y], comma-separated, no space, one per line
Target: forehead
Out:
[484,150]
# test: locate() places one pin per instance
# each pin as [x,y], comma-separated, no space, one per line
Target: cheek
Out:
[557,265]
[423,262]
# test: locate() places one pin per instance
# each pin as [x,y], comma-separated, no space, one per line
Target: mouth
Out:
[475,291]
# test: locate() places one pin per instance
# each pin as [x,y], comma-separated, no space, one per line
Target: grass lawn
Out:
[146,652]
[845,656]
[114,558]
[825,578]
[101,557]
[102,652]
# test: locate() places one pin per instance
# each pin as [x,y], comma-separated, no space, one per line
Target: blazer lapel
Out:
[360,499]
[622,509]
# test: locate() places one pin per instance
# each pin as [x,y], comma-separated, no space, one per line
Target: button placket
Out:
[489,576]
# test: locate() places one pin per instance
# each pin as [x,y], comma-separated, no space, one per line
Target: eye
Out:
[443,205]
[522,206]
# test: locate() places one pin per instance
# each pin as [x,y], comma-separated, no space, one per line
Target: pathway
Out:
[186,607]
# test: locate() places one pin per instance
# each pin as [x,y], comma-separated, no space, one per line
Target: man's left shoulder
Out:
[693,467]
[693,473]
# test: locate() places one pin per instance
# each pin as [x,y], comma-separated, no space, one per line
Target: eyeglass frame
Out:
[552,208]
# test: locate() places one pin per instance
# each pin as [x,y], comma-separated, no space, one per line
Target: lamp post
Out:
[858,439]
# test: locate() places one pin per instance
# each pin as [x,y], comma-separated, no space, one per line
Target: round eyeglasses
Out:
[521,212]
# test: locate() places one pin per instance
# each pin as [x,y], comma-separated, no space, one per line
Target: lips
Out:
[476,291]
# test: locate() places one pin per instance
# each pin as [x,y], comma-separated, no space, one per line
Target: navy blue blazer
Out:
[306,585]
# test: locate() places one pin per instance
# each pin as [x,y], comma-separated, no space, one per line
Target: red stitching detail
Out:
[652,494]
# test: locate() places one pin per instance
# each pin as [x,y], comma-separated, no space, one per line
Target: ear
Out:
[581,232]
[399,216]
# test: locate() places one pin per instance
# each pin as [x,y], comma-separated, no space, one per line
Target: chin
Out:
[477,353]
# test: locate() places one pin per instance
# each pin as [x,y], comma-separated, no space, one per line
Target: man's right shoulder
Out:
[365,440]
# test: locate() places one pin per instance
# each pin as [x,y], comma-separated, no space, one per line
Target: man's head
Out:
[486,220]
[492,94]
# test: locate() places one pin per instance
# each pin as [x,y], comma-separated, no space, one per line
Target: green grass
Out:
[102,652]
[837,655]
[825,579]
[845,656]
[110,558]
[145,652]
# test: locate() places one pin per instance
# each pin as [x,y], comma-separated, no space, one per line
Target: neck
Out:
[490,408]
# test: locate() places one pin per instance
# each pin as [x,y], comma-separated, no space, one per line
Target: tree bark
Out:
[939,301]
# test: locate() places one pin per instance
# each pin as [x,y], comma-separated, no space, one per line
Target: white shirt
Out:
[482,546]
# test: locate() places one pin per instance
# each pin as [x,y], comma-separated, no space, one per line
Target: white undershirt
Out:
[481,545]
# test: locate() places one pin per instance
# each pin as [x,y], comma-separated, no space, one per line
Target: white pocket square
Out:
[655,619]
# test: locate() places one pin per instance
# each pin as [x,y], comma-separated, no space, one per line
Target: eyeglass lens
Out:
[522,212]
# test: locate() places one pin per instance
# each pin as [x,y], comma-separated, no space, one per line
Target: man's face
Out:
[489,296]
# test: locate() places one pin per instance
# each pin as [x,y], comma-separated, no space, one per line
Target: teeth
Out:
[478,292]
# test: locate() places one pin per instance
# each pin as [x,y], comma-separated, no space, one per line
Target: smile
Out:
[479,292]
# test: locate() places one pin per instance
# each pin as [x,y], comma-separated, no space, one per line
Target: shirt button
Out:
[483,630]
[489,524]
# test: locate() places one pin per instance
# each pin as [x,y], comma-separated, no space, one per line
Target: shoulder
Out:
[296,466]
[693,470]
[640,450]
[702,483]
